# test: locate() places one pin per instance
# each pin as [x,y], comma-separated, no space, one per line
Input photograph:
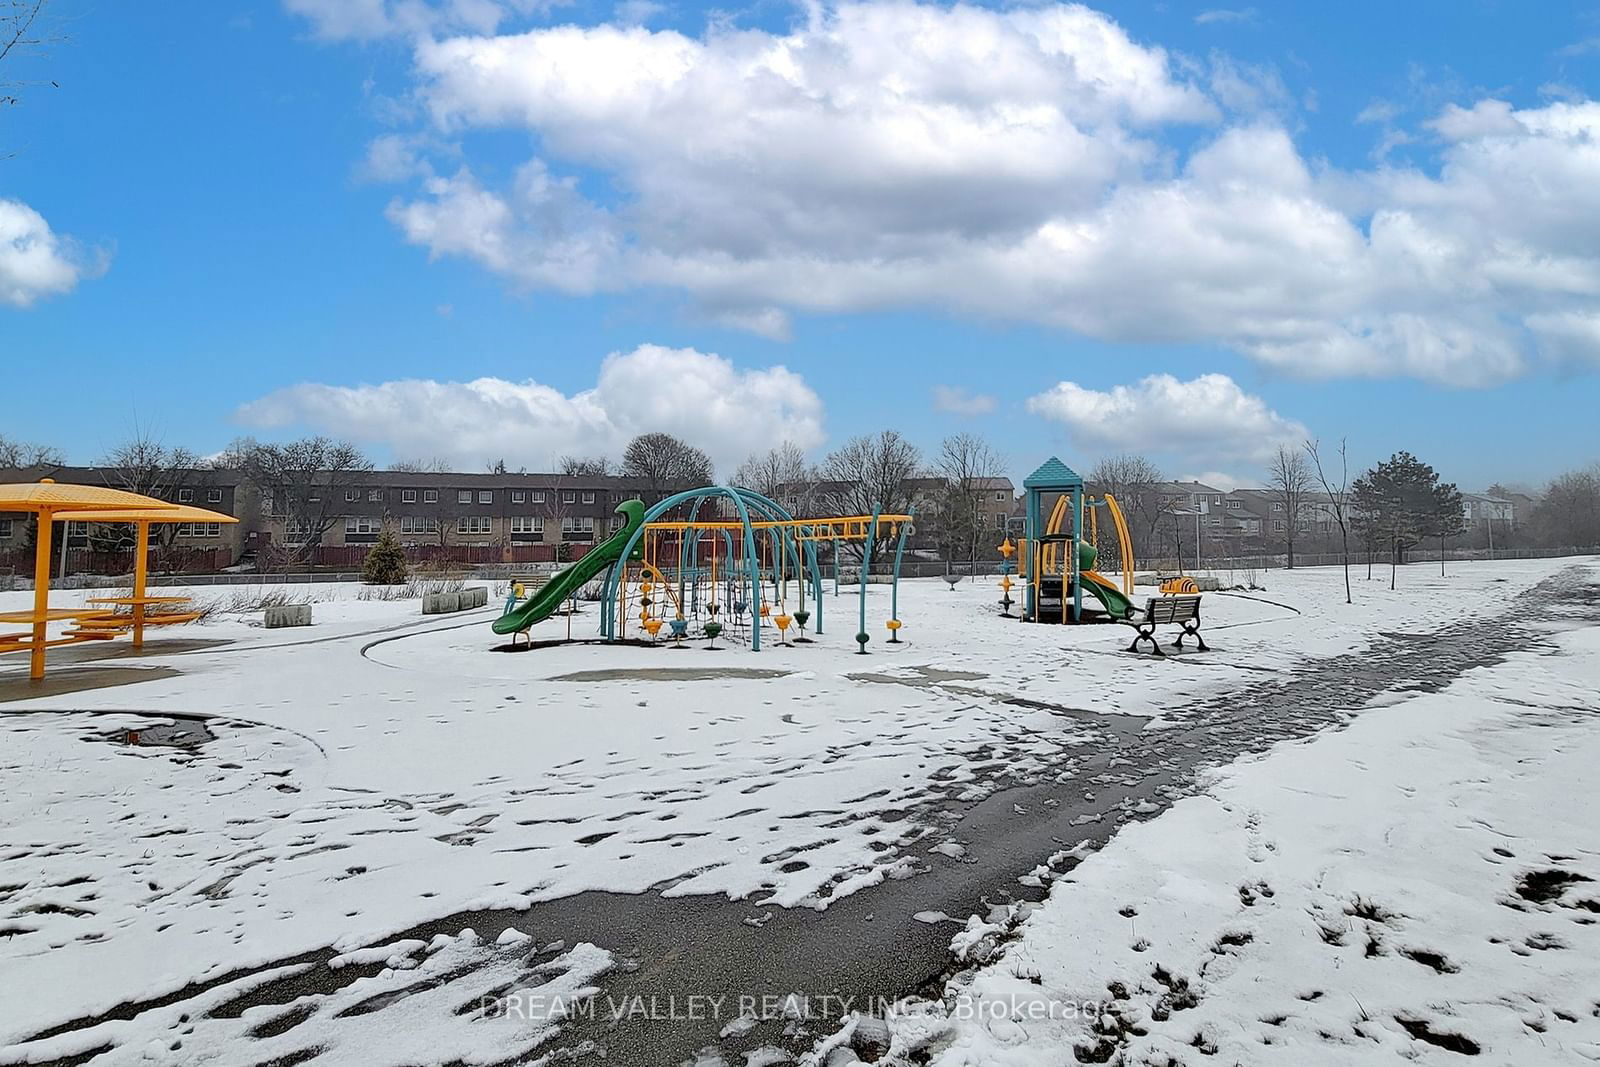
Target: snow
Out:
[379,770]
[1422,884]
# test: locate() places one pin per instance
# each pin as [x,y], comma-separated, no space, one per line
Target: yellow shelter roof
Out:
[177,513]
[47,495]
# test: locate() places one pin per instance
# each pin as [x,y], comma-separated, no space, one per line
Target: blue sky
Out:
[201,168]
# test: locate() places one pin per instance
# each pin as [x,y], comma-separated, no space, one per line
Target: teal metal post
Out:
[1033,525]
[862,637]
[894,587]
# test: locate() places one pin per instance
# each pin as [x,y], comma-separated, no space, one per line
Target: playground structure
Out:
[1055,560]
[718,561]
[91,503]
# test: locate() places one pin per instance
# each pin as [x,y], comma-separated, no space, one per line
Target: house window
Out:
[578,527]
[430,496]
[527,524]
[569,498]
[1277,507]
[266,503]
[352,494]
[518,496]
[999,494]
[463,496]
[1234,505]
[416,524]
[5,527]
[538,496]
[213,496]
[474,524]
[360,524]
[486,496]
[408,496]
[374,496]
[185,495]
[588,498]
[999,521]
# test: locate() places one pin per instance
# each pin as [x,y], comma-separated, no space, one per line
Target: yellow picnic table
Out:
[49,500]
[35,638]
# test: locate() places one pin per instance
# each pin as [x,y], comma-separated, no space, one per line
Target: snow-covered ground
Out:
[1422,885]
[380,770]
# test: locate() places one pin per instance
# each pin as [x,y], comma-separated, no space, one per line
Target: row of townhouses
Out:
[443,510]
[470,510]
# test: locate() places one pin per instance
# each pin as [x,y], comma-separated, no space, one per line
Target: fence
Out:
[120,561]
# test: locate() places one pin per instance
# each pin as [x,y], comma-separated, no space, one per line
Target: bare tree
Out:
[778,472]
[306,481]
[146,465]
[22,30]
[1135,482]
[871,473]
[968,467]
[436,465]
[583,466]
[661,461]
[1568,514]
[1338,500]
[14,453]
[1289,487]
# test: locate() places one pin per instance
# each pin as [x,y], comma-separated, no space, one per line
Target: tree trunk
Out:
[1344,541]
[1394,561]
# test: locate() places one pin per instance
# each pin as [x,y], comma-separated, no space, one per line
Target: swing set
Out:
[734,565]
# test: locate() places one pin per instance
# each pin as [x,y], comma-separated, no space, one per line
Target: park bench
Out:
[1181,611]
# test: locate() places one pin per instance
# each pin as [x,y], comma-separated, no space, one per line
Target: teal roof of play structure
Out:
[1053,474]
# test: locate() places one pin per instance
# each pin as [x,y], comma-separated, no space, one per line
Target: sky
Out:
[485,229]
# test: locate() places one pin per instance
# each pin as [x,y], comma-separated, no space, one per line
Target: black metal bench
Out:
[1181,611]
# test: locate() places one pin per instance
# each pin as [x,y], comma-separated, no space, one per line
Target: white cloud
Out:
[1013,165]
[1217,480]
[35,261]
[1571,337]
[697,396]
[1208,417]
[1247,14]
[1486,118]
[367,20]
[958,400]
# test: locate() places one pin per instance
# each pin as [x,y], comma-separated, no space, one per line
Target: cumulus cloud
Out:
[958,400]
[35,261]
[1013,165]
[700,397]
[1208,417]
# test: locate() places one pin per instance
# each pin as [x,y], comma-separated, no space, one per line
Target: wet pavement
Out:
[872,947]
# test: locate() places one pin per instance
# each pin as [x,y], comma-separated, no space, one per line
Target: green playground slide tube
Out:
[567,581]
[1097,585]
[1108,593]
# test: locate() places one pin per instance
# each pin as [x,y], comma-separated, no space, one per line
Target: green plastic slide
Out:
[1108,593]
[564,583]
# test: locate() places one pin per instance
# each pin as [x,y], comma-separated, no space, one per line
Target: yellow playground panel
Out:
[49,501]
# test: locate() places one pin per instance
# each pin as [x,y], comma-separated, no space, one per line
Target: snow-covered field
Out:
[1422,885]
[379,770]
